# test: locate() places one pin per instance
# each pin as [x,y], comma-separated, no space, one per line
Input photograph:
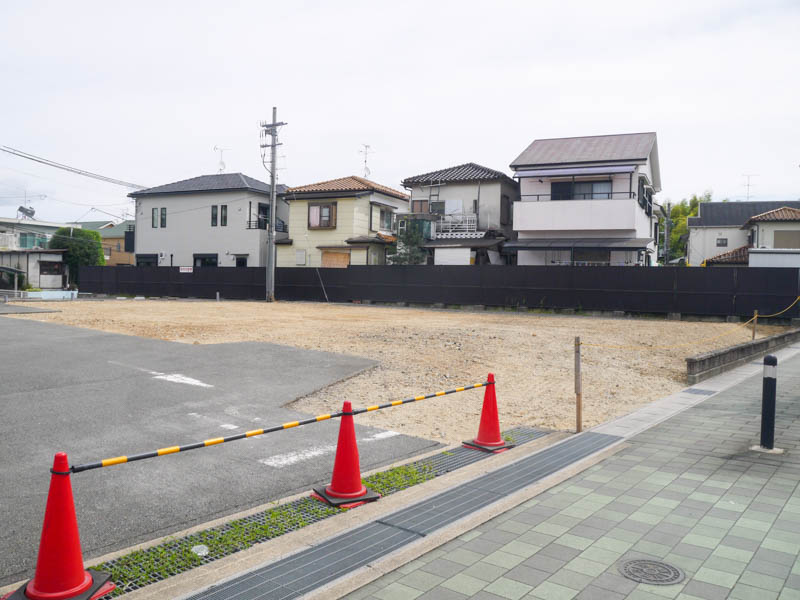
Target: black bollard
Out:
[768,402]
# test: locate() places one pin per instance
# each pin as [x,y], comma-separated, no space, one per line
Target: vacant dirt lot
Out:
[423,350]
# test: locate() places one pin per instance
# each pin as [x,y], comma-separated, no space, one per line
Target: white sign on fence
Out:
[185,269]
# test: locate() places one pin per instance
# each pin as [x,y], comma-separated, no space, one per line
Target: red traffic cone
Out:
[489,439]
[345,489]
[59,568]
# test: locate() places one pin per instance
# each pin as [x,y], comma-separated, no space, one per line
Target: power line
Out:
[63,167]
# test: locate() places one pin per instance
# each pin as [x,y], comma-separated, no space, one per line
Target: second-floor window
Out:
[163,217]
[214,213]
[155,217]
[223,215]
[322,215]
[580,190]
[386,219]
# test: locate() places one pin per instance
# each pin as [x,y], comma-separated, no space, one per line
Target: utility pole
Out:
[666,235]
[271,130]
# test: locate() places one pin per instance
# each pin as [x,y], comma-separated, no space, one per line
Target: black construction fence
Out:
[708,291]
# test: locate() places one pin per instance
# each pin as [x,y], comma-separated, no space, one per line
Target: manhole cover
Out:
[653,572]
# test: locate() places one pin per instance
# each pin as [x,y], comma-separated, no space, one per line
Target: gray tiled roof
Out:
[466,172]
[735,214]
[589,149]
[210,183]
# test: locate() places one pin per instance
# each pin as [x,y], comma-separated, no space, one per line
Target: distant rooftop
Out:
[588,149]
[105,231]
[221,182]
[466,172]
[352,183]
[735,214]
[784,213]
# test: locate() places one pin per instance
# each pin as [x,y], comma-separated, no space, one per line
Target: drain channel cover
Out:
[649,571]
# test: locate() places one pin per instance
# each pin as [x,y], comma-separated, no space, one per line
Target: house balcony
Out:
[578,215]
[457,226]
[280,226]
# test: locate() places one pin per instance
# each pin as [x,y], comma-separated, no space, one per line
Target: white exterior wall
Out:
[702,243]
[29,262]
[189,229]
[774,258]
[765,232]
[451,256]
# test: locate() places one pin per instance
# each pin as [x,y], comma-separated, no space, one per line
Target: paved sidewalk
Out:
[687,491]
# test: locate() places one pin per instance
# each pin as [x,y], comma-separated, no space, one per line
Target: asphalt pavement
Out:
[97,395]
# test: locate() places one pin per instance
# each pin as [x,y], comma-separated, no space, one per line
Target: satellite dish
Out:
[27,211]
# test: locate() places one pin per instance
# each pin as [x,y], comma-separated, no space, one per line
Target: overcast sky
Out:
[143,91]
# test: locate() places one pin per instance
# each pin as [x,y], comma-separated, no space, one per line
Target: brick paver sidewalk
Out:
[688,491]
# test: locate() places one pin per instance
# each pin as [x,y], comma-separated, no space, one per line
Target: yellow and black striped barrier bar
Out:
[118,460]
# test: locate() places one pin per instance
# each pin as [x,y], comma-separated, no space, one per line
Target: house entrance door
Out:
[335,260]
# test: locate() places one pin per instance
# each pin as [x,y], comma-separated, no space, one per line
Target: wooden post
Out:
[755,323]
[578,389]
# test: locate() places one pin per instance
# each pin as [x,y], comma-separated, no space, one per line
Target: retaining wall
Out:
[712,363]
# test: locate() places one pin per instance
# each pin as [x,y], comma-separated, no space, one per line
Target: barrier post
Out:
[755,323]
[578,387]
[768,390]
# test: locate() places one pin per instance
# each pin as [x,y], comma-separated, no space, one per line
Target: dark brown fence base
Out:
[689,291]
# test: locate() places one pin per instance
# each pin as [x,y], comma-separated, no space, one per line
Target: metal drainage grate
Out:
[653,572]
[180,555]
[699,392]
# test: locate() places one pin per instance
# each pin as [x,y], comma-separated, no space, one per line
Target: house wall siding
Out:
[189,229]
[702,243]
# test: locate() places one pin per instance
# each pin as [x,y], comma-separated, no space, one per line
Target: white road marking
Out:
[279,461]
[178,378]
[171,377]
[229,426]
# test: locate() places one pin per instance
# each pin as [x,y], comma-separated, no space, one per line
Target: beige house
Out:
[341,222]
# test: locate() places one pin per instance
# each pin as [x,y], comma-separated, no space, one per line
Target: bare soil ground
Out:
[423,350]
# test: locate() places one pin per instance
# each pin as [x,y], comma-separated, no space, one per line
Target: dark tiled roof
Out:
[346,184]
[595,148]
[784,213]
[221,182]
[734,214]
[466,172]
[737,256]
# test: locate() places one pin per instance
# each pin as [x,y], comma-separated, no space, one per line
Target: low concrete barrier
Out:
[712,363]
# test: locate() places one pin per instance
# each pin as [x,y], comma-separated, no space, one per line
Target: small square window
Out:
[722,242]
[300,257]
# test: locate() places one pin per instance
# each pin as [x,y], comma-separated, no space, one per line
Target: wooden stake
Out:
[755,323]
[578,388]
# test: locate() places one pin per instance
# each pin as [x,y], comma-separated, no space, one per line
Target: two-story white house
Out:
[208,221]
[465,212]
[340,222]
[587,201]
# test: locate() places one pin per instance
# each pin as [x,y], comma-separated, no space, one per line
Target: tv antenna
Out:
[748,185]
[367,149]
[221,150]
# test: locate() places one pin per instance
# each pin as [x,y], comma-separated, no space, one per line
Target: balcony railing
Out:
[457,223]
[572,196]
[280,225]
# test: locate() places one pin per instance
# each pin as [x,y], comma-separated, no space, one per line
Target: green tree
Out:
[679,227]
[408,250]
[83,248]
